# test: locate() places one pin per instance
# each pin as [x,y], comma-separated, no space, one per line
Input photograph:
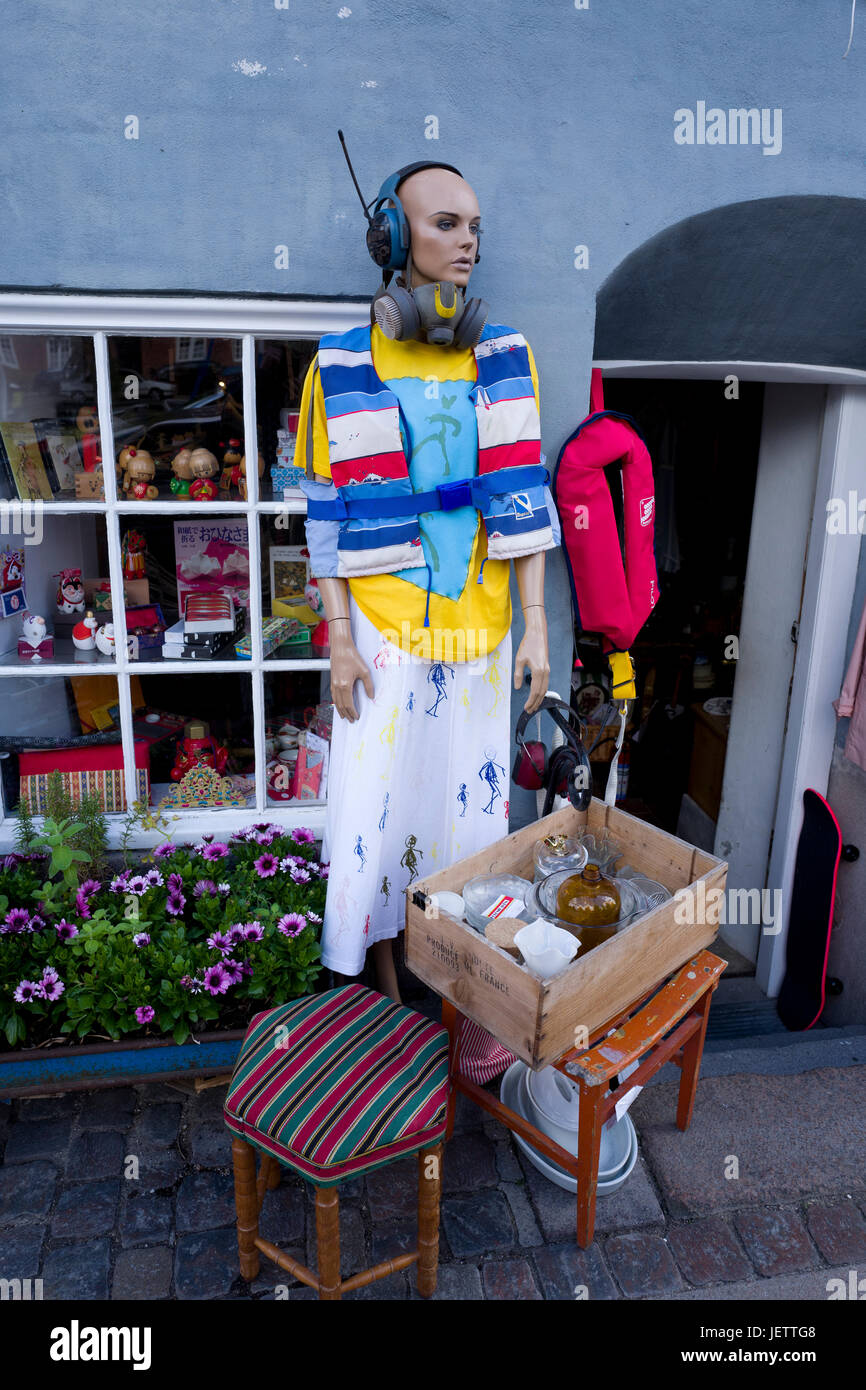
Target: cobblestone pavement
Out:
[74,1212]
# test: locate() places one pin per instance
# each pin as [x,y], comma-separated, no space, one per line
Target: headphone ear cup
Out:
[530,766]
[475,315]
[396,313]
[383,240]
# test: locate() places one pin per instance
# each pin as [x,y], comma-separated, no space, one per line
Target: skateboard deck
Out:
[801,999]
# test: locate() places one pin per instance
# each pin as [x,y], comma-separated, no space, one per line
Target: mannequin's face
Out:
[444,220]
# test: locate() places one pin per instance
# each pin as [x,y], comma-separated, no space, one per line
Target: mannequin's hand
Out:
[532,654]
[347,667]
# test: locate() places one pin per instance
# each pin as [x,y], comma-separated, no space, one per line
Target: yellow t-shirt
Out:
[475,620]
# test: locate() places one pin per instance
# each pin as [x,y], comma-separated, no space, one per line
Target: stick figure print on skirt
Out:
[379,841]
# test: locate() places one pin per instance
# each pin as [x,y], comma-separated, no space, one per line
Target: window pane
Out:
[65,724]
[49,430]
[281,366]
[298,721]
[168,559]
[203,754]
[178,403]
[57,572]
[292,610]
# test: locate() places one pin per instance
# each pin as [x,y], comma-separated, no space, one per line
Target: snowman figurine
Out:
[84,634]
[105,639]
[33,629]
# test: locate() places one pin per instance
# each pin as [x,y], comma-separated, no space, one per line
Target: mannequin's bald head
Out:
[444,218]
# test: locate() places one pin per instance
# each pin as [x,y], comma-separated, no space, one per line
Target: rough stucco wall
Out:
[562,120]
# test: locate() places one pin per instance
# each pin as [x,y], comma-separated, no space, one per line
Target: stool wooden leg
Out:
[246,1206]
[451,1020]
[588,1147]
[271,1172]
[429,1190]
[693,1052]
[328,1238]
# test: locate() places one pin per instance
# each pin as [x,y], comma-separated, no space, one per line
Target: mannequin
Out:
[443,249]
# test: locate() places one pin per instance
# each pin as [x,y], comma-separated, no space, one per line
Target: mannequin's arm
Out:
[533,650]
[346,663]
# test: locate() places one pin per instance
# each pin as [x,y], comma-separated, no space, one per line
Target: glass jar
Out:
[557,852]
[589,899]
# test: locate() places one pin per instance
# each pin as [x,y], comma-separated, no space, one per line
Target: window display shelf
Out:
[67,659]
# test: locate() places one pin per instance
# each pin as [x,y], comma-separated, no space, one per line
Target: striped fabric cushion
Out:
[339,1083]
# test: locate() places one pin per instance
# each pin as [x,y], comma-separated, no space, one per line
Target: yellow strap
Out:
[622,676]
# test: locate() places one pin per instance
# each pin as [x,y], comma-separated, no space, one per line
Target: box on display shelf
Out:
[276,632]
[95,768]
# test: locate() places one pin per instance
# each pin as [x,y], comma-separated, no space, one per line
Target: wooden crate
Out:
[539,1019]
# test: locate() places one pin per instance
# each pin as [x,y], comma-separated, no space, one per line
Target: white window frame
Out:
[247,319]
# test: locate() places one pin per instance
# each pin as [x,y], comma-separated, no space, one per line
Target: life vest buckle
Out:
[456,494]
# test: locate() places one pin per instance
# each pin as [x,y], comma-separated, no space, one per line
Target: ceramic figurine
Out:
[35,642]
[70,592]
[242,480]
[84,634]
[138,480]
[231,466]
[132,646]
[203,466]
[132,554]
[180,467]
[87,424]
[105,639]
[198,749]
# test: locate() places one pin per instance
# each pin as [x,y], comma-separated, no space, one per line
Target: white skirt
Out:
[417,782]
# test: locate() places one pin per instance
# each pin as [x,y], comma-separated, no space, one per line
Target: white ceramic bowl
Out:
[509,1093]
[545,948]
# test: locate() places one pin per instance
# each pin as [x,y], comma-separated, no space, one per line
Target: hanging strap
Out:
[610,789]
[596,391]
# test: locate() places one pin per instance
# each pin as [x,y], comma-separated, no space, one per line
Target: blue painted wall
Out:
[562,119]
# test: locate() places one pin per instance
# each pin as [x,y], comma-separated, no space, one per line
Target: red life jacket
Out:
[613,593]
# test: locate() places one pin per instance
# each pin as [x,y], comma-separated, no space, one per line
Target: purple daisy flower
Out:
[217,850]
[324,870]
[205,885]
[9,861]
[144,1013]
[206,839]
[235,971]
[263,837]
[17,920]
[314,917]
[163,851]
[65,930]
[292,924]
[85,892]
[52,989]
[237,932]
[192,983]
[266,865]
[224,889]
[154,878]
[141,938]
[299,875]
[253,931]
[137,884]
[120,883]
[27,991]
[216,979]
[219,942]
[175,906]
[302,836]
[175,883]
[36,923]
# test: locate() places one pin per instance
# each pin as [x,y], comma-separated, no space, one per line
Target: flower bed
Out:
[200,936]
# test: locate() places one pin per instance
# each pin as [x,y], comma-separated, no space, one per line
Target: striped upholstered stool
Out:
[333,1086]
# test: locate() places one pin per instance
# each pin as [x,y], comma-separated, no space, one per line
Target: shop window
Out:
[181,639]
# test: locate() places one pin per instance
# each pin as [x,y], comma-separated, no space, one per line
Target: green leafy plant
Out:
[59,838]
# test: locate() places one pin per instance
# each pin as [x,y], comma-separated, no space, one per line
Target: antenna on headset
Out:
[354,180]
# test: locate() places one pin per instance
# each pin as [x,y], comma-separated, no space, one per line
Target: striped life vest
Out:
[375,504]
